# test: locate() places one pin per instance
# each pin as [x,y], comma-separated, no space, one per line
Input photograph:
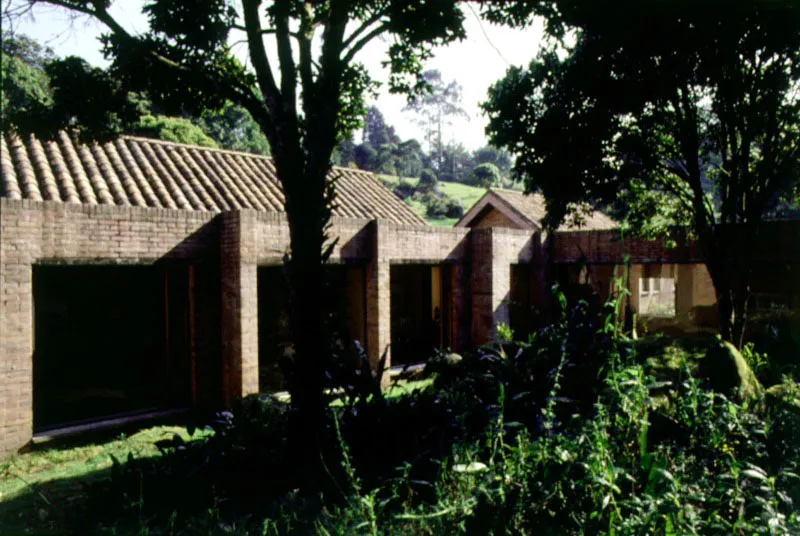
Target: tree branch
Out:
[233,92]
[305,35]
[286,59]
[363,42]
[364,26]
[258,56]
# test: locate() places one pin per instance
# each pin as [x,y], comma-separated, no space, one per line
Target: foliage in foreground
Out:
[575,431]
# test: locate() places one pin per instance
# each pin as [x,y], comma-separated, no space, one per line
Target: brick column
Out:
[460,306]
[238,269]
[19,241]
[379,299]
[490,284]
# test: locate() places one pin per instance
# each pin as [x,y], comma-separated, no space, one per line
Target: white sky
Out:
[476,63]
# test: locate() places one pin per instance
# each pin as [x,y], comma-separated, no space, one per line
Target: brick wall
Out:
[493,218]
[494,250]
[51,233]
[778,241]
[395,244]
[224,251]
[610,247]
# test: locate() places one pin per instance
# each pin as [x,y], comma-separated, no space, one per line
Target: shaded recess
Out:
[346,284]
[108,341]
[522,313]
[420,311]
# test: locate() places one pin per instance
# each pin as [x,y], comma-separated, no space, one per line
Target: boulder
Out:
[727,372]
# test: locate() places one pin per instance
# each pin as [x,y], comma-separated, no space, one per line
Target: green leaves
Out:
[485,175]
[672,97]
[71,94]
[433,22]
[195,28]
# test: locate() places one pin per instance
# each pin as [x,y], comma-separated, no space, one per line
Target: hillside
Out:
[467,195]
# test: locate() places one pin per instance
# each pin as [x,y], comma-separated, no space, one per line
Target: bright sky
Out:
[476,63]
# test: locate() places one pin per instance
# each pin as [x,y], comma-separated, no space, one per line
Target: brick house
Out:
[141,276]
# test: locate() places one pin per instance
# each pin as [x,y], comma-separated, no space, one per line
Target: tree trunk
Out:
[304,187]
[309,335]
[731,277]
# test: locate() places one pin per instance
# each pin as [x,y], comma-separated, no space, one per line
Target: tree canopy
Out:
[27,95]
[176,129]
[438,103]
[233,128]
[25,83]
[485,175]
[675,111]
[376,131]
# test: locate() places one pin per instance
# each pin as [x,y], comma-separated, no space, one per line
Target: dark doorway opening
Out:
[345,291]
[420,297]
[109,341]
[522,314]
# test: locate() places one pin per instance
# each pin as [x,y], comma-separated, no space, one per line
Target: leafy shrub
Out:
[570,432]
[404,189]
[175,129]
[438,207]
[454,209]
[485,175]
[427,181]
[435,207]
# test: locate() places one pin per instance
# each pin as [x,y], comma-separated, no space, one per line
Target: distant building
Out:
[515,210]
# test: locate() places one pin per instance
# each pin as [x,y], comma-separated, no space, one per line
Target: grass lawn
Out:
[49,481]
[34,468]
[468,195]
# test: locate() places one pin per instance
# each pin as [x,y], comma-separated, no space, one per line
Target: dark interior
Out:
[521,312]
[346,291]
[418,326]
[108,341]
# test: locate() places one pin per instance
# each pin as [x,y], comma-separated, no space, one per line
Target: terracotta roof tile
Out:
[532,207]
[141,172]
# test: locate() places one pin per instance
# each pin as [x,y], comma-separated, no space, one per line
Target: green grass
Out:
[49,481]
[468,195]
[405,387]
[22,471]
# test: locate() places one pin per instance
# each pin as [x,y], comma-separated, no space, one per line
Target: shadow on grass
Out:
[45,489]
[48,507]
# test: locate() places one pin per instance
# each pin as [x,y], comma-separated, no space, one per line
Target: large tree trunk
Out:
[310,337]
[731,276]
[308,216]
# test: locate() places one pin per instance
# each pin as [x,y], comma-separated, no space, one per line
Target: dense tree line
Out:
[382,151]
[27,91]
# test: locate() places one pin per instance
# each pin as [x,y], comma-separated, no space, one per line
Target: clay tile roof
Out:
[532,208]
[141,172]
